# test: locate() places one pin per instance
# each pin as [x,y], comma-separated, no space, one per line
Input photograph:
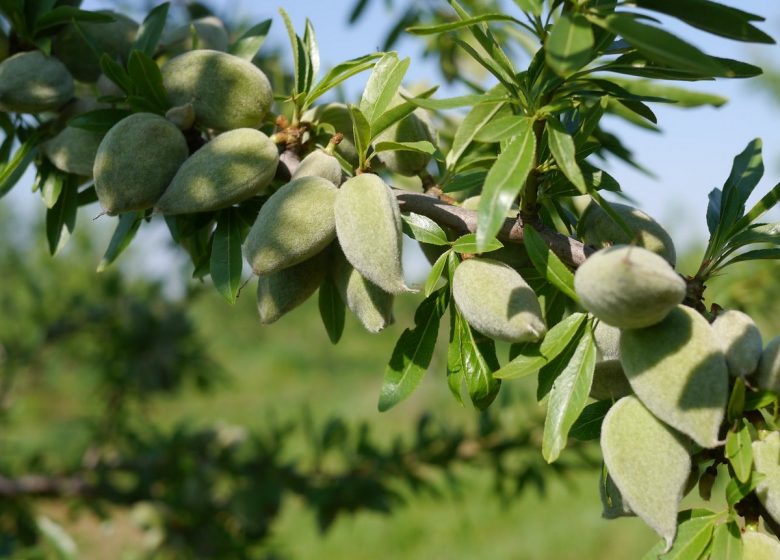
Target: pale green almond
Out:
[766,458]
[495,300]
[136,161]
[768,373]
[296,223]
[182,116]
[234,166]
[226,91]
[211,34]
[758,546]
[612,504]
[368,223]
[31,82]
[598,229]
[82,56]
[338,116]
[372,306]
[73,150]
[741,341]
[412,128]
[607,340]
[647,462]
[609,381]
[320,164]
[678,370]
[284,290]
[628,287]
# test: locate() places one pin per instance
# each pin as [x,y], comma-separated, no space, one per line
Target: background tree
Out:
[510,208]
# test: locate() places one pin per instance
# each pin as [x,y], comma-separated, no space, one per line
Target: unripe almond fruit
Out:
[758,546]
[741,341]
[234,166]
[296,223]
[628,287]
[73,150]
[368,223]
[495,300]
[136,161]
[768,373]
[411,128]
[320,164]
[766,458]
[31,82]
[338,116]
[647,462]
[226,91]
[284,290]
[370,304]
[211,34]
[678,370]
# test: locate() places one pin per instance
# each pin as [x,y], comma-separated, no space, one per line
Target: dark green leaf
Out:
[569,45]
[116,73]
[568,396]
[461,101]
[385,79]
[339,73]
[711,17]
[547,263]
[394,115]
[588,425]
[736,490]
[151,29]
[425,230]
[739,451]
[420,146]
[413,351]
[562,147]
[248,45]
[453,25]
[331,309]
[504,182]
[479,116]
[302,63]
[435,274]
[766,203]
[746,172]
[123,234]
[477,355]
[755,255]
[736,405]
[51,186]
[468,244]
[226,260]
[727,542]
[11,172]
[64,14]
[503,128]
[757,233]
[682,97]
[465,181]
[488,63]
[61,218]
[454,357]
[755,400]
[147,81]
[99,120]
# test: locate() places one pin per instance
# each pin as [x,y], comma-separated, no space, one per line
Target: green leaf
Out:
[569,45]
[504,182]
[766,203]
[468,244]
[56,537]
[479,116]
[759,399]
[61,218]
[736,490]
[301,61]
[465,181]
[547,263]
[568,396]
[123,234]
[332,309]
[435,274]
[757,233]
[226,260]
[755,255]
[11,172]
[361,131]
[562,147]
[99,120]
[490,64]
[420,146]
[736,405]
[460,101]
[51,186]
[502,128]
[313,51]
[61,15]
[454,357]
[453,25]
[532,6]
[746,172]
[727,542]
[340,73]
[116,73]
[659,45]
[147,81]
[739,451]
[683,97]
[413,351]
[711,17]
[588,425]
[425,230]
[248,45]
[148,36]
[382,85]
[692,538]
[394,115]
[477,356]
[532,356]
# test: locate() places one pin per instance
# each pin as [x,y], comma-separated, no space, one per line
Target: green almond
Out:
[31,82]
[73,150]
[372,306]
[758,546]
[768,372]
[338,116]
[320,164]
[766,458]
[211,33]
[741,341]
[284,290]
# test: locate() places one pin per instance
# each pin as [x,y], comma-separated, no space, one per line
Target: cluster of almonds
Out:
[668,369]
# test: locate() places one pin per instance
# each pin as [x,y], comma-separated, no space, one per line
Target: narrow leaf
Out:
[99,120]
[460,101]
[226,260]
[453,25]
[588,426]
[340,73]
[148,36]
[479,116]
[562,147]
[382,85]
[435,273]
[11,172]
[124,233]
[468,244]
[248,45]
[425,230]
[147,80]
[332,309]
[739,451]
[547,263]
[361,131]
[61,218]
[727,542]
[479,361]
[569,45]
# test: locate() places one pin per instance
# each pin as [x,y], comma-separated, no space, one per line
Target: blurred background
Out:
[141,416]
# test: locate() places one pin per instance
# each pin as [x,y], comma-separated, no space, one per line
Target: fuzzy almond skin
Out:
[73,150]
[741,341]
[768,373]
[598,229]
[372,306]
[411,128]
[136,161]
[628,287]
[766,458]
[295,224]
[678,370]
[284,290]
[758,546]
[609,381]
[31,82]
[211,33]
[320,164]
[338,116]
[647,462]
[368,224]
[612,504]
[232,167]
[495,300]
[113,38]
[226,91]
